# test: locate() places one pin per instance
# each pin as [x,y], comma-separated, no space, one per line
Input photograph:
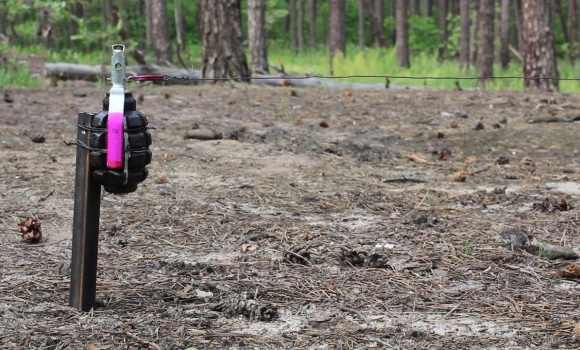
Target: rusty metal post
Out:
[87,207]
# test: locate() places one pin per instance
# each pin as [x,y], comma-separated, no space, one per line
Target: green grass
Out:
[384,62]
[357,62]
[15,75]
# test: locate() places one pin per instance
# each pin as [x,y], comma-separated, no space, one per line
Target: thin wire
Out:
[356,76]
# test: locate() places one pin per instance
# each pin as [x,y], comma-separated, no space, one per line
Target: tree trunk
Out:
[454,7]
[538,45]
[415,8]
[392,13]
[149,25]
[300,25]
[160,31]
[106,11]
[464,34]
[361,24]
[402,35]
[442,27]
[124,16]
[376,23]
[179,23]
[312,24]
[485,55]
[518,18]
[504,52]
[75,8]
[337,29]
[293,26]
[142,25]
[257,35]
[428,8]
[222,51]
[379,6]
[474,35]
[572,30]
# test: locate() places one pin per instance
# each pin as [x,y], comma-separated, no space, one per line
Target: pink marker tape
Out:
[115,138]
[115,132]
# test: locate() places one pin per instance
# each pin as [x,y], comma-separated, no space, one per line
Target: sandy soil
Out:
[326,220]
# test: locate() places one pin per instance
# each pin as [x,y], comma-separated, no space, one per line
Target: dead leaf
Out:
[460,177]
[203,294]
[248,247]
[577,330]
[91,347]
[471,159]
[571,270]
[527,161]
[185,291]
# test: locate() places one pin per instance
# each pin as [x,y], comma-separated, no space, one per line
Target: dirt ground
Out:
[324,219]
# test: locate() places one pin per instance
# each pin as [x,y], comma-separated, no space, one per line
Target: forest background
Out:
[297,36]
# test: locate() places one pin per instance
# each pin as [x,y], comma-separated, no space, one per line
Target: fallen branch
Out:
[518,240]
[404,179]
[516,53]
[565,119]
[151,345]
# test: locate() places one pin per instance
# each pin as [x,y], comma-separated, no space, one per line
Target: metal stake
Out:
[87,207]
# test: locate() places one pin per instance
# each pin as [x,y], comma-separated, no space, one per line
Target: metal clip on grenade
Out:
[120,138]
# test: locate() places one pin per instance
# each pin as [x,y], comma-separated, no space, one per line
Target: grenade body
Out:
[137,155]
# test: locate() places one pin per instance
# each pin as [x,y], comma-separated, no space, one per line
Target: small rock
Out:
[446,114]
[502,160]
[324,124]
[293,93]
[439,272]
[203,134]
[515,238]
[479,126]
[503,120]
[499,190]
[79,94]
[38,138]
[461,114]
[8,98]
[454,124]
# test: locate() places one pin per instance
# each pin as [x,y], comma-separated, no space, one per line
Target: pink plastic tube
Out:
[115,138]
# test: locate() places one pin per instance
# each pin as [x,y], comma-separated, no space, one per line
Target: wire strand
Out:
[357,76]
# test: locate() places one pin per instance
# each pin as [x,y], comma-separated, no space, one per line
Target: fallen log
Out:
[73,71]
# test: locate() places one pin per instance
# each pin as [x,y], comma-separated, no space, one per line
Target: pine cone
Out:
[30,230]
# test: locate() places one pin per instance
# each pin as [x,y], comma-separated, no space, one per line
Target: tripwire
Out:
[162,77]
